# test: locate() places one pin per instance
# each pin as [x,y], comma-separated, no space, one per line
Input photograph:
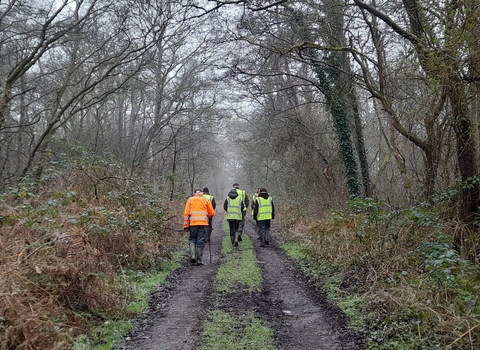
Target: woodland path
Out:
[301,315]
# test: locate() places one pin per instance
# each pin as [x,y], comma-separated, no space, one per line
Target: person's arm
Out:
[214,205]
[210,210]
[186,215]
[255,210]
[273,211]
[225,204]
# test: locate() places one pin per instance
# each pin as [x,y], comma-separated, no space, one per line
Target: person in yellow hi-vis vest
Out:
[206,194]
[233,207]
[254,198]
[198,210]
[264,213]
[243,195]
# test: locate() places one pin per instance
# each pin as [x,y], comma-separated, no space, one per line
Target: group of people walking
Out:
[200,209]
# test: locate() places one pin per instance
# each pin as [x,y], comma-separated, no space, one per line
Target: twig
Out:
[464,334]
[50,242]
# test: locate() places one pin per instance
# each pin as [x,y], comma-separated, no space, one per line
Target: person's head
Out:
[236,185]
[198,190]
[262,190]
[205,190]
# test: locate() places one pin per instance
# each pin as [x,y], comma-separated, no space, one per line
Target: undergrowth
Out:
[68,244]
[396,274]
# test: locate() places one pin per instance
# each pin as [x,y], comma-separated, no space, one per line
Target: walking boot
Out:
[236,239]
[240,230]
[193,259]
[262,238]
[199,252]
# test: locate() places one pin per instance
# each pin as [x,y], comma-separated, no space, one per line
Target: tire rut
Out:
[302,317]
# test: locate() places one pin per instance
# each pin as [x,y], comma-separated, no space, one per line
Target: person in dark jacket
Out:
[264,213]
[234,207]
[254,198]
[244,196]
[206,194]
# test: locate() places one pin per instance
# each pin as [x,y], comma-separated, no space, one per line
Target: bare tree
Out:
[444,46]
[75,63]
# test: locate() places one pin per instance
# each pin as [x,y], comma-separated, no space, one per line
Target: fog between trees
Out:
[315,100]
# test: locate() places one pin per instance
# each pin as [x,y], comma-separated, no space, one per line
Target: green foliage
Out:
[22,191]
[329,77]
[351,307]
[456,278]
[397,272]
[104,336]
[64,242]
[445,196]
[331,286]
[142,283]
[470,182]
[295,251]
[421,215]
[113,327]
[362,205]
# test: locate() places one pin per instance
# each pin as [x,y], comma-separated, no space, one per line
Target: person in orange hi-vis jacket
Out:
[198,210]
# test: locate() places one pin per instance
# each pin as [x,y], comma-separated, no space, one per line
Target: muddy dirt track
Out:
[301,316]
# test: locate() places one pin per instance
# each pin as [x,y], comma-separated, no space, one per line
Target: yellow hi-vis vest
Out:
[234,209]
[264,208]
[254,198]
[242,194]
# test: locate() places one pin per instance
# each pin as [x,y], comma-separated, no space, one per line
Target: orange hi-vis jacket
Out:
[197,211]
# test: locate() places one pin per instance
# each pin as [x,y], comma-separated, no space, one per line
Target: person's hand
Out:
[187,229]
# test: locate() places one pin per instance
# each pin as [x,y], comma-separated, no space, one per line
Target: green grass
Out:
[139,285]
[225,331]
[294,251]
[313,267]
[143,283]
[351,306]
[237,331]
[239,272]
[104,336]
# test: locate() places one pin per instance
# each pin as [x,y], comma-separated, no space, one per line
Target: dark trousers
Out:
[233,225]
[241,224]
[198,235]
[264,229]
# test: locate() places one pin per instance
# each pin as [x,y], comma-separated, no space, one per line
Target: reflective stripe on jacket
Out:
[264,208]
[197,211]
[234,208]
[244,197]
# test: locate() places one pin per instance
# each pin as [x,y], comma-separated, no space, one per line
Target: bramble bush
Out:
[66,243]
[418,292]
